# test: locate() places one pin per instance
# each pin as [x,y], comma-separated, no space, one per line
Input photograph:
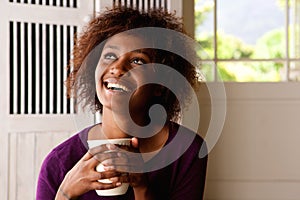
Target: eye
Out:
[110,56]
[138,61]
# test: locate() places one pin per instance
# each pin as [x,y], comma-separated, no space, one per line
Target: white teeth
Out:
[115,86]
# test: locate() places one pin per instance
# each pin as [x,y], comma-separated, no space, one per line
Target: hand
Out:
[130,161]
[83,177]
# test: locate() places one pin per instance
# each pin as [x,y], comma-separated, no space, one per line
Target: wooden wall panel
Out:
[27,152]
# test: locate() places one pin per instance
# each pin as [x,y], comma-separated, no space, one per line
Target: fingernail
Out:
[107,168]
[114,179]
[110,146]
[118,183]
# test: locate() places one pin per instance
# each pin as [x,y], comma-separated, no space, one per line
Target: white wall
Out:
[257,154]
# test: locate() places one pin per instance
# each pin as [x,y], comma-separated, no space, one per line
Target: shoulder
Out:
[189,170]
[192,151]
[58,162]
[68,152]
[180,151]
[187,139]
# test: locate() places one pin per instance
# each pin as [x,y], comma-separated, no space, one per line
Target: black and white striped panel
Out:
[55,3]
[143,5]
[39,54]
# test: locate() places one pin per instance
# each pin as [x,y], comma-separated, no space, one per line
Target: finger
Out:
[101,153]
[106,155]
[104,175]
[96,185]
[117,160]
[100,157]
[124,163]
[120,167]
[125,168]
[87,156]
[101,148]
[133,178]
[134,142]
[123,178]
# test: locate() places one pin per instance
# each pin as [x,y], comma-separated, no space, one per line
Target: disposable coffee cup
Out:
[122,189]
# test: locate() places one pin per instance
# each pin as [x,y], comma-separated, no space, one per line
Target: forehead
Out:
[127,42]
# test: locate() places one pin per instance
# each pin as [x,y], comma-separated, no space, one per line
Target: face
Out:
[120,75]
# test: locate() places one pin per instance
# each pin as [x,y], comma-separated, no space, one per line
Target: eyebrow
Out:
[143,51]
[111,47]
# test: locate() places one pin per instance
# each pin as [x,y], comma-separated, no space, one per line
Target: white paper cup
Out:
[122,189]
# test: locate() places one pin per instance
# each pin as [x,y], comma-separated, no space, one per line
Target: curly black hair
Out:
[87,51]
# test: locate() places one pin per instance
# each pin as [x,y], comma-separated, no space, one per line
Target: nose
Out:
[119,67]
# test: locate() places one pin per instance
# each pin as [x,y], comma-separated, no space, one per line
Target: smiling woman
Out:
[125,67]
[116,61]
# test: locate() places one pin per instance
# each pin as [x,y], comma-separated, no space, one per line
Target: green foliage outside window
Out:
[270,46]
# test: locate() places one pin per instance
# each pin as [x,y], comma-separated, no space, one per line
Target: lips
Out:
[117,87]
[114,85]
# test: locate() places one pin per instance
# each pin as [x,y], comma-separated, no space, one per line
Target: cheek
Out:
[98,74]
[98,81]
[101,66]
[143,96]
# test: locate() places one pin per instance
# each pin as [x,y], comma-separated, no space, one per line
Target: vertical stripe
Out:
[65,64]
[148,5]
[43,70]
[11,67]
[62,68]
[67,60]
[38,67]
[15,57]
[58,70]
[47,72]
[27,75]
[166,5]
[72,30]
[71,2]
[50,74]
[29,68]
[34,67]
[55,66]
[22,67]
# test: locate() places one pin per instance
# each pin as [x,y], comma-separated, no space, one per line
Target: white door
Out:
[36,37]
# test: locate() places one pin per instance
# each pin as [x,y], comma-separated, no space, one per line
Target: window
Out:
[249,40]
[38,58]
[39,48]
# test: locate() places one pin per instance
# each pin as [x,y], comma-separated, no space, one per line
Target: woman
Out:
[119,68]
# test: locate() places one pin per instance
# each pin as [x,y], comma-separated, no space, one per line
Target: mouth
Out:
[116,87]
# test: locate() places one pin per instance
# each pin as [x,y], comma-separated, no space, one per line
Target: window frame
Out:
[287,59]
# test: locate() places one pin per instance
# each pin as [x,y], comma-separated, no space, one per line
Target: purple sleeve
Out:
[193,182]
[191,176]
[50,177]
[58,162]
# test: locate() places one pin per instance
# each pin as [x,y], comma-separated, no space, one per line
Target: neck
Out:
[109,126]
[155,142]
[111,130]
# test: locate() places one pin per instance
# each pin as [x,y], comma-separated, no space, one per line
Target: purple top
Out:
[182,179]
